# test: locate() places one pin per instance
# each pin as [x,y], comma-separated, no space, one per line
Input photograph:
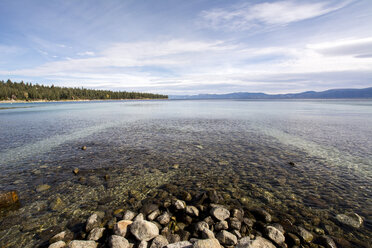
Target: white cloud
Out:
[247,16]
[87,53]
[202,65]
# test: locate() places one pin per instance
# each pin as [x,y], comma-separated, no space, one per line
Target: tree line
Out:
[27,91]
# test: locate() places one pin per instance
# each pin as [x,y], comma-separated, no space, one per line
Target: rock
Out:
[144,230]
[153,215]
[159,242]
[192,211]
[149,208]
[213,196]
[56,204]
[235,223]
[207,243]
[64,236]
[92,222]
[237,234]
[259,242]
[275,235]
[116,241]
[222,225]
[182,244]
[352,220]
[83,148]
[292,239]
[139,217]
[179,205]
[227,238]
[143,244]
[207,234]
[164,218]
[278,226]
[58,244]
[326,241]
[249,222]
[42,187]
[186,196]
[237,213]
[47,234]
[129,215]
[96,233]
[173,238]
[9,198]
[304,234]
[82,244]
[261,214]
[201,225]
[75,171]
[121,228]
[220,213]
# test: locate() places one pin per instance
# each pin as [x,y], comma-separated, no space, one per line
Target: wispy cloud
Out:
[87,53]
[249,16]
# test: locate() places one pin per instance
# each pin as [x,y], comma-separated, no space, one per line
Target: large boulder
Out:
[144,230]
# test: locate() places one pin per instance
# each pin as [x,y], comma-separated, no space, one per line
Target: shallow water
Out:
[240,148]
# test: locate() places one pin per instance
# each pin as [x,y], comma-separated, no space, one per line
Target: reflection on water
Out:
[240,148]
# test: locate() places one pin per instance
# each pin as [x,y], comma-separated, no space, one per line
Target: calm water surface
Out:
[240,148]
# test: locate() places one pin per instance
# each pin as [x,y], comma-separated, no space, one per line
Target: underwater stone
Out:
[261,214]
[43,187]
[353,220]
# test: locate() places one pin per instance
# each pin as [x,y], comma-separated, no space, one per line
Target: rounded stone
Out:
[220,213]
[144,230]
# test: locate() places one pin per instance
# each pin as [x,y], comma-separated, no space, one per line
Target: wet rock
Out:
[64,236]
[249,222]
[352,220]
[207,243]
[149,208]
[259,242]
[220,213]
[235,223]
[164,218]
[186,196]
[179,205]
[143,244]
[8,199]
[227,238]
[83,148]
[42,187]
[261,214]
[304,234]
[326,241]
[116,241]
[192,211]
[75,171]
[159,242]
[153,215]
[92,222]
[144,230]
[57,204]
[292,239]
[47,234]
[275,235]
[182,244]
[58,244]
[121,228]
[237,213]
[129,215]
[222,225]
[96,233]
[82,244]
[213,196]
[207,234]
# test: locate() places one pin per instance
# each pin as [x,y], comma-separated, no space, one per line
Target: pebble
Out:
[182,244]
[192,211]
[179,205]
[96,233]
[164,218]
[220,213]
[121,228]
[58,244]
[116,241]
[143,244]
[82,244]
[153,215]
[159,242]
[144,230]
[305,234]
[42,187]
[129,215]
[227,238]
[207,234]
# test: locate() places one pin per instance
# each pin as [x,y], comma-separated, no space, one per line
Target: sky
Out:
[180,47]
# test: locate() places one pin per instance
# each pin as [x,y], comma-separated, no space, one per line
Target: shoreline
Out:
[79,100]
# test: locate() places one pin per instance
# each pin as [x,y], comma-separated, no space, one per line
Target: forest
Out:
[30,92]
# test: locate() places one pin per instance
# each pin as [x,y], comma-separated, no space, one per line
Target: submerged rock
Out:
[353,220]
[42,187]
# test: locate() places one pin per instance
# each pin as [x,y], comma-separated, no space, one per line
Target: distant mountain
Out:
[328,94]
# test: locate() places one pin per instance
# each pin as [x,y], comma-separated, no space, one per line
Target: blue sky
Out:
[188,47]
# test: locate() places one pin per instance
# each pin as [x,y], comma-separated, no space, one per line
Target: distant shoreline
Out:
[79,100]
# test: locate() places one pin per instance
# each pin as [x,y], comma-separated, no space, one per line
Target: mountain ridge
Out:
[364,93]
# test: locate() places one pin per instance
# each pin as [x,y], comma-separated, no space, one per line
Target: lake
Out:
[310,160]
